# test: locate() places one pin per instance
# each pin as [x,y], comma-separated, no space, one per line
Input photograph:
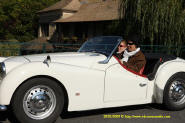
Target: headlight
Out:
[2,70]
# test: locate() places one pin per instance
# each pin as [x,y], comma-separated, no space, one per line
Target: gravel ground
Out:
[128,114]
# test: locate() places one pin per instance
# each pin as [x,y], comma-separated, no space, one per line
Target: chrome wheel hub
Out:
[177,92]
[39,102]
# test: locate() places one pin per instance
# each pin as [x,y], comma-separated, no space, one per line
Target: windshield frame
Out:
[119,39]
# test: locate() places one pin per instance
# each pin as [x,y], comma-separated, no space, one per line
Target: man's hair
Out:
[134,38]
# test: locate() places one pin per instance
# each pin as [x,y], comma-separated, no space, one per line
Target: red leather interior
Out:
[140,72]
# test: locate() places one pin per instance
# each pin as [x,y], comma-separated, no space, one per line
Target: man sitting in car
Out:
[133,58]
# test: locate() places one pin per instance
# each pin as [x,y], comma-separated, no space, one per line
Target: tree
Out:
[18,18]
[157,21]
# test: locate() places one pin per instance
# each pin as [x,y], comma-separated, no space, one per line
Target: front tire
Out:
[174,92]
[38,100]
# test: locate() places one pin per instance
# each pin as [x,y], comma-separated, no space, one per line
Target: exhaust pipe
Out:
[3,108]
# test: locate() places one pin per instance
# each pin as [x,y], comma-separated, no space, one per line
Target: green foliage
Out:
[113,28]
[10,48]
[18,18]
[157,21]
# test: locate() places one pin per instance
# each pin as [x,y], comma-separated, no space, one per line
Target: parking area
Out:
[152,113]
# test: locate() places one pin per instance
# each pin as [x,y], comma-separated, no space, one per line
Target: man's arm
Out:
[139,62]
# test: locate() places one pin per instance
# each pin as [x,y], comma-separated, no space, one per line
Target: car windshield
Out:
[103,44]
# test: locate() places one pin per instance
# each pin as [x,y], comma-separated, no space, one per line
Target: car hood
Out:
[13,61]
[70,58]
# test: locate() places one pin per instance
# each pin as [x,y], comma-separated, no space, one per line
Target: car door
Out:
[123,85]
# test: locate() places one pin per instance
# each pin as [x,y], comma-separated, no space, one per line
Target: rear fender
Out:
[164,73]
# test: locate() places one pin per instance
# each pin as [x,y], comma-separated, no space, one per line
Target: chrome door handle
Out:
[142,84]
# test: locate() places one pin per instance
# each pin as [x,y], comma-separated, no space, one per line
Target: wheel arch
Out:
[66,98]
[164,73]
[181,72]
[167,103]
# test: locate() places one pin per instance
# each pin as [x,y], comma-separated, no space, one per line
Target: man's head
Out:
[132,43]
[122,46]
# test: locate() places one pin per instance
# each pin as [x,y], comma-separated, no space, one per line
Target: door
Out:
[123,85]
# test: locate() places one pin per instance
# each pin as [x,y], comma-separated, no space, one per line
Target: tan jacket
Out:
[136,62]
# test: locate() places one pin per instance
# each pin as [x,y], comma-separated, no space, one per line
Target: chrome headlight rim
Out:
[2,69]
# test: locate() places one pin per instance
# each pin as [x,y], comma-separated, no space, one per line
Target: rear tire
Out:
[174,92]
[38,100]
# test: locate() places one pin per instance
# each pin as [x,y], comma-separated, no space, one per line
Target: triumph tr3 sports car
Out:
[39,87]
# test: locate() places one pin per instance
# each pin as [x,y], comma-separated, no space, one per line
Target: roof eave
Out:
[40,12]
[61,21]
[68,10]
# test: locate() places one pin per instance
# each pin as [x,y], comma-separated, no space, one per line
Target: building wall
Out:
[46,25]
[52,29]
[81,30]
[48,18]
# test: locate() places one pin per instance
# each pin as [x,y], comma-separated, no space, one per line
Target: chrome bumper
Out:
[3,108]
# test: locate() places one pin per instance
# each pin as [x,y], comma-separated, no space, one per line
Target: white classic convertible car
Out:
[39,87]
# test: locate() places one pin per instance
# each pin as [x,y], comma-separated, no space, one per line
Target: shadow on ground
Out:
[7,115]
[3,116]
[66,115]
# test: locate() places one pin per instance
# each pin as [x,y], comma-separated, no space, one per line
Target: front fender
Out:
[20,74]
[164,73]
[84,86]
[2,59]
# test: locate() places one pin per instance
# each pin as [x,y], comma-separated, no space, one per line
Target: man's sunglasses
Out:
[130,43]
